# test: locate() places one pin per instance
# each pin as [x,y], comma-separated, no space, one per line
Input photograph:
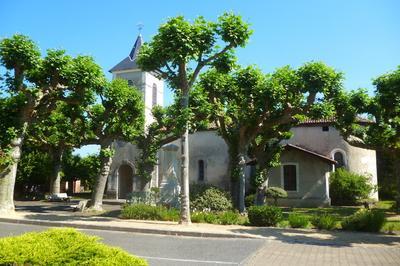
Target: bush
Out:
[365,220]
[324,221]
[249,200]
[142,197]
[62,247]
[346,188]
[275,193]
[264,215]
[297,220]
[148,212]
[212,199]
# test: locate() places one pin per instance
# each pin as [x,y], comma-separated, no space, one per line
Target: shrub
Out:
[347,187]
[249,200]
[227,217]
[297,220]
[148,212]
[196,190]
[275,193]
[62,247]
[212,199]
[142,197]
[324,221]
[365,220]
[264,215]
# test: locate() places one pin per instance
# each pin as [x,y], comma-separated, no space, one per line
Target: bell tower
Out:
[147,83]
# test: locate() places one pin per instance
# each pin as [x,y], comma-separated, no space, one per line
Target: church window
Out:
[201,170]
[130,82]
[339,158]
[325,128]
[289,177]
[154,95]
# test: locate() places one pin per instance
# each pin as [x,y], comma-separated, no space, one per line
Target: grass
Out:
[340,212]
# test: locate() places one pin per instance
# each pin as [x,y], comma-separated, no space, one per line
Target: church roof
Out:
[130,61]
[310,152]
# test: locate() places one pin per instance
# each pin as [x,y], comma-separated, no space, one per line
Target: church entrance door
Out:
[125,181]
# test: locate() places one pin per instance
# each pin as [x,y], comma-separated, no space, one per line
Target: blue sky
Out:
[359,37]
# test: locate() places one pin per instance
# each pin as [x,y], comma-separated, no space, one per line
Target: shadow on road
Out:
[322,238]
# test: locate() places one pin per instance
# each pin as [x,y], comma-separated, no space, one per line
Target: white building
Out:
[314,151]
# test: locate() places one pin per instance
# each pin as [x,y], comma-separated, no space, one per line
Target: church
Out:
[314,151]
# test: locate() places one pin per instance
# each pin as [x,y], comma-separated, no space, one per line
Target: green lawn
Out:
[340,212]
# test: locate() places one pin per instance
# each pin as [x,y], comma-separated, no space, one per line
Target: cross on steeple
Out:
[140,26]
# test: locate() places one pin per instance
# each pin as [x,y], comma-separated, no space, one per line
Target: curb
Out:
[124,229]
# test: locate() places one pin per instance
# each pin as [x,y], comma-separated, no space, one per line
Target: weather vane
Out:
[140,26]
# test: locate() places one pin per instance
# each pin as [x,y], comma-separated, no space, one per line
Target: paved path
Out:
[166,250]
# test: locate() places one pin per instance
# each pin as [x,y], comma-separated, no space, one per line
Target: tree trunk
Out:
[7,178]
[100,185]
[242,180]
[185,204]
[55,179]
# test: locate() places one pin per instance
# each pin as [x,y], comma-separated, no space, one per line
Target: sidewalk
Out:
[312,237]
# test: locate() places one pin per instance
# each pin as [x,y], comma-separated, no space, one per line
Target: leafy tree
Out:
[179,52]
[32,86]
[118,116]
[254,112]
[384,108]
[63,130]
[86,169]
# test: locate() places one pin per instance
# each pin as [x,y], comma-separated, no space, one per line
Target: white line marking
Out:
[187,260]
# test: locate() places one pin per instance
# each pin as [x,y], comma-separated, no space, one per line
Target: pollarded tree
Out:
[254,112]
[384,108]
[118,116]
[61,131]
[178,53]
[32,86]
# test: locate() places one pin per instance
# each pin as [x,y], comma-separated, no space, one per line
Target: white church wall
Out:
[358,160]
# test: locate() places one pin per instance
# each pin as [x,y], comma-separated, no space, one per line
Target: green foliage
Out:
[142,197]
[324,221]
[226,217]
[211,199]
[33,173]
[85,168]
[249,200]
[264,215]
[62,247]
[298,220]
[149,212]
[346,188]
[275,193]
[365,220]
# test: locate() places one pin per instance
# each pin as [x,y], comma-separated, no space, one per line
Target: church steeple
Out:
[130,61]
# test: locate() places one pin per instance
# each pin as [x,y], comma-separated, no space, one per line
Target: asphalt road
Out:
[166,250]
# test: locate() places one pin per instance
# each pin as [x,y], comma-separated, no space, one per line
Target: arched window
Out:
[201,171]
[154,95]
[340,157]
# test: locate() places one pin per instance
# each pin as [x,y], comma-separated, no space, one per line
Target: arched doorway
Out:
[125,181]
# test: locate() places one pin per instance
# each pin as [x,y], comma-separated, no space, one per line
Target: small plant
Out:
[297,220]
[324,221]
[365,220]
[275,193]
[148,212]
[65,246]
[142,197]
[212,199]
[347,188]
[249,200]
[264,215]
[368,203]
